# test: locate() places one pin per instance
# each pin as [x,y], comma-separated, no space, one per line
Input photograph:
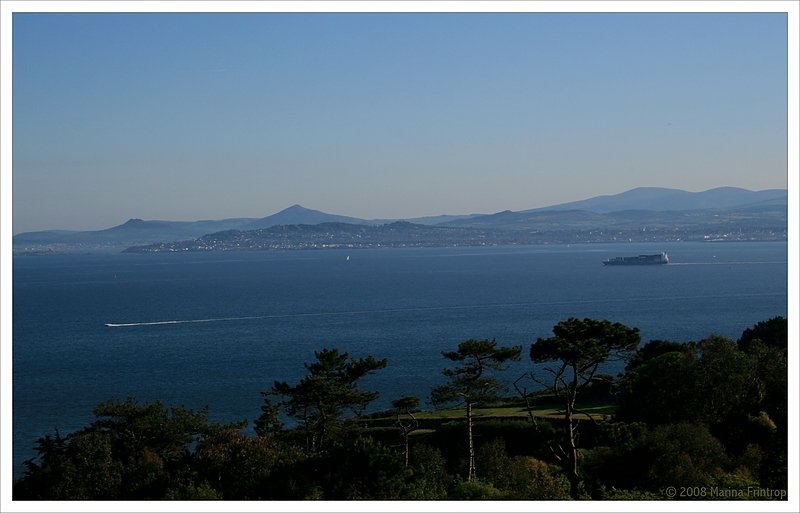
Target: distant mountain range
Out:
[656,208]
[661,199]
[646,207]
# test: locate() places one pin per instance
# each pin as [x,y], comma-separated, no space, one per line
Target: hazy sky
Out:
[209,116]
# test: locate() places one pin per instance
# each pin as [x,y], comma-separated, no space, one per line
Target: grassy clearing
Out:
[544,408]
[596,412]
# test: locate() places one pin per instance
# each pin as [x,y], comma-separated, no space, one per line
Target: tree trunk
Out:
[307,430]
[572,446]
[572,455]
[471,472]
[405,436]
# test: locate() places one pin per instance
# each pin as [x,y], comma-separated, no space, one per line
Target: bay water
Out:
[215,329]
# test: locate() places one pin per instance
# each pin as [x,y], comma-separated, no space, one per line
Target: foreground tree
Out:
[238,466]
[648,460]
[470,383]
[405,420]
[579,347]
[322,398]
[771,333]
[704,382]
[427,477]
[131,451]
[519,477]
[739,395]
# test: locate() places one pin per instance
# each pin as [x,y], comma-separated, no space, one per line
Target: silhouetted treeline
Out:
[698,420]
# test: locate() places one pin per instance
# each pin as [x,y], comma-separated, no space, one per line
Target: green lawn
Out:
[516,409]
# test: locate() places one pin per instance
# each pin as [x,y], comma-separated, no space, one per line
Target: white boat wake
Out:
[184,321]
[434,308]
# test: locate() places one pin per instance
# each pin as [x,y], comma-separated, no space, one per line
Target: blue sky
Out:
[210,116]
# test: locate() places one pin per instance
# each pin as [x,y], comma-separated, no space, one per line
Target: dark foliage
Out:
[131,451]
[772,333]
[321,400]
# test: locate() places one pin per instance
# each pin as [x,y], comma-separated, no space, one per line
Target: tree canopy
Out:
[321,399]
[470,382]
[579,347]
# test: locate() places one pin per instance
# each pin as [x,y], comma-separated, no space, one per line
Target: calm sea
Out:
[215,329]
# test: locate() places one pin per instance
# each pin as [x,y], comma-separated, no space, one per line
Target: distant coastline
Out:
[403,235]
[638,215]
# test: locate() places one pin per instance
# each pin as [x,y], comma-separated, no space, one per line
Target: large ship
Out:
[659,259]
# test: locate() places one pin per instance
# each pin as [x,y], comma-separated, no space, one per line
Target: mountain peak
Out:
[298,214]
[296,210]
